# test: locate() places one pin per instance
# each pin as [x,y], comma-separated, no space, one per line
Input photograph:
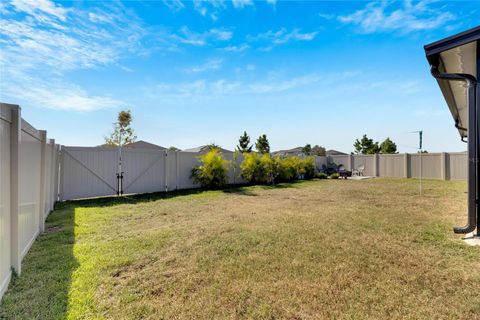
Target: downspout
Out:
[472,135]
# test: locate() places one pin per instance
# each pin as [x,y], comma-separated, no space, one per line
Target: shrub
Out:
[322,175]
[257,168]
[290,168]
[309,167]
[270,168]
[334,176]
[213,171]
[250,167]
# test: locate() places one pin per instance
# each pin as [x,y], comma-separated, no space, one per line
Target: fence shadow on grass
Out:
[42,289]
[246,190]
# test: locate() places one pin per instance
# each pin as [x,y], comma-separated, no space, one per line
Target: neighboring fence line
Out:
[444,165]
[28,187]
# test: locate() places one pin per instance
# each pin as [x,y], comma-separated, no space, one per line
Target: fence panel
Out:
[88,172]
[144,170]
[368,161]
[29,187]
[457,166]
[186,161]
[431,164]
[391,165]
[5,264]
[320,162]
[341,160]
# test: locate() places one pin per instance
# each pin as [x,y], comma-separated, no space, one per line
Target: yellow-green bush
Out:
[257,168]
[213,171]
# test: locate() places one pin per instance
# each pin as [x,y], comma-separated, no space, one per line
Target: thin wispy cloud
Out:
[406,17]
[239,4]
[210,8]
[174,5]
[326,16]
[38,49]
[205,89]
[211,64]
[282,36]
[237,48]
[187,36]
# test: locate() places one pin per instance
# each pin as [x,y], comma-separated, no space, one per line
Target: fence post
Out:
[56,174]
[406,165]
[350,162]
[51,200]
[177,169]
[165,167]
[375,164]
[61,193]
[43,154]
[15,136]
[443,166]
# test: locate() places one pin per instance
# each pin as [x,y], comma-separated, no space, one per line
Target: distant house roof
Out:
[205,148]
[144,145]
[289,152]
[335,153]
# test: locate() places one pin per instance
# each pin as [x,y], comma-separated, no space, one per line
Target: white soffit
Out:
[460,59]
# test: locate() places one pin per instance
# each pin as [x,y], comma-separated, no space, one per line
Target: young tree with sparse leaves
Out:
[366,146]
[122,131]
[262,145]
[244,143]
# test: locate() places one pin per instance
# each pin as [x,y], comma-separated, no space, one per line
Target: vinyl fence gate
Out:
[96,171]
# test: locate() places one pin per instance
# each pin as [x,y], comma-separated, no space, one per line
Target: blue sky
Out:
[196,72]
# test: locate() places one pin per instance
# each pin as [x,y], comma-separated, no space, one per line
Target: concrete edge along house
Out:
[455,63]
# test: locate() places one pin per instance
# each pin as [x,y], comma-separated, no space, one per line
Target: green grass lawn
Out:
[321,249]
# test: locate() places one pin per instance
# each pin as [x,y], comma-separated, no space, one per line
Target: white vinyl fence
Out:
[28,187]
[444,166]
[35,173]
[92,172]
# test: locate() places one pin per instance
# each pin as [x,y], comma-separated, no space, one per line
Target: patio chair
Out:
[359,171]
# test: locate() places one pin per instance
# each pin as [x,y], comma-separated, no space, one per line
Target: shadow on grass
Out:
[42,289]
[246,190]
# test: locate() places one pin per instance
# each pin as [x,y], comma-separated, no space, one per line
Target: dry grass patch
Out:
[321,249]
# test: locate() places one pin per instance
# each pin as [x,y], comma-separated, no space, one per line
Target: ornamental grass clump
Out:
[212,173]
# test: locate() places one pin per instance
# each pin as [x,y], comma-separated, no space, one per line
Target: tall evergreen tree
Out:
[262,145]
[366,146]
[122,131]
[388,146]
[244,143]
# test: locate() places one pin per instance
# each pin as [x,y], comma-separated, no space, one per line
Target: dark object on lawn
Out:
[343,173]
[455,63]
[330,168]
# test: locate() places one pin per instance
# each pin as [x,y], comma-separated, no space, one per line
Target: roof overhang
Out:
[458,54]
